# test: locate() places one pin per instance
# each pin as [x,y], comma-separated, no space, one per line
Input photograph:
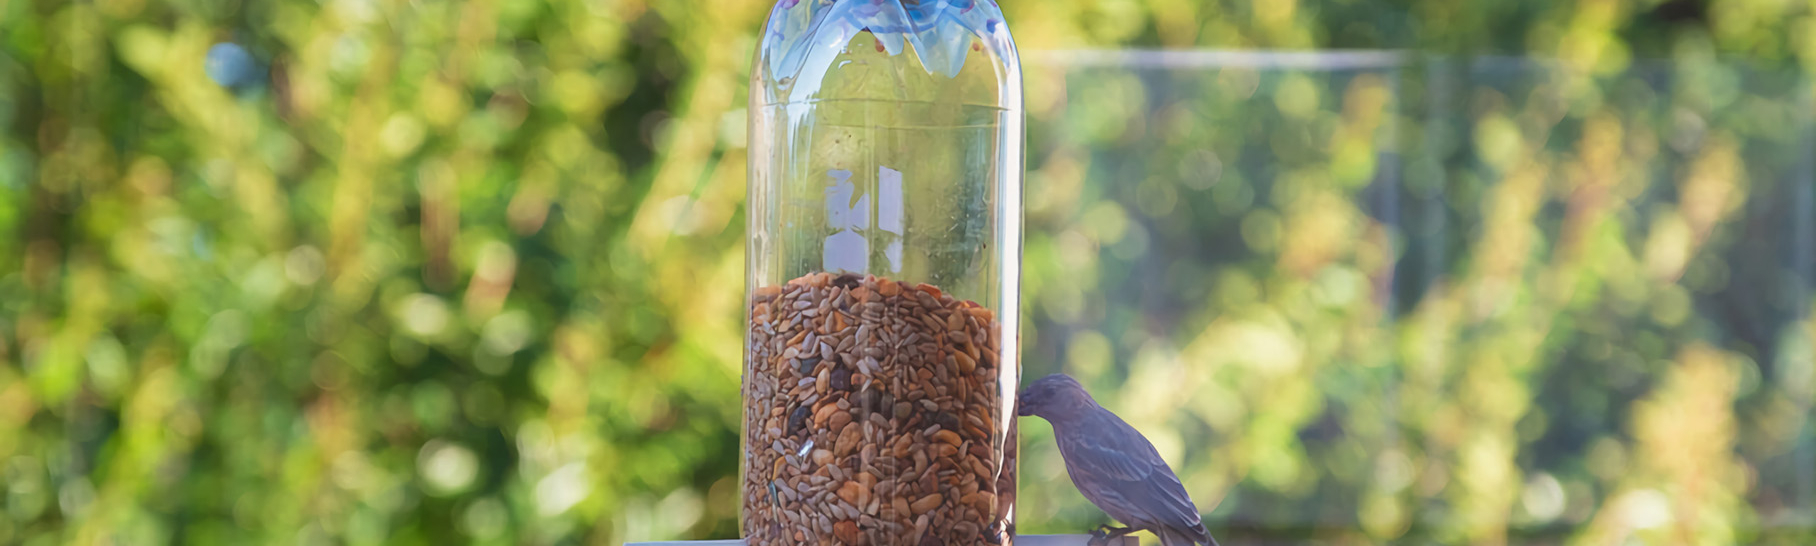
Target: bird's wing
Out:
[1127,475]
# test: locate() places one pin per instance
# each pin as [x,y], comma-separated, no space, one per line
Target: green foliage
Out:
[469,272]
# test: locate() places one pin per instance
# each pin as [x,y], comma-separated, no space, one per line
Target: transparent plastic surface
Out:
[883,260]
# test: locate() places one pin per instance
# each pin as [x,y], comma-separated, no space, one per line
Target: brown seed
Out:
[926,503]
[986,502]
[965,528]
[849,492]
[847,532]
[978,468]
[822,457]
[903,444]
[966,364]
[848,440]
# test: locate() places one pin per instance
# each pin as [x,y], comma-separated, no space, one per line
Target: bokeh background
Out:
[1366,271]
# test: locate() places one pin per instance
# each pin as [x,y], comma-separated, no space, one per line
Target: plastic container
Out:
[884,264]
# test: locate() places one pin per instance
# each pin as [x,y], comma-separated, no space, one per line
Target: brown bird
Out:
[1114,466]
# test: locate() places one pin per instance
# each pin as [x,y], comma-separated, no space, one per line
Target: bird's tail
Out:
[1170,537]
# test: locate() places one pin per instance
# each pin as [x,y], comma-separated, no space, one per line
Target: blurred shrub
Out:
[369,271]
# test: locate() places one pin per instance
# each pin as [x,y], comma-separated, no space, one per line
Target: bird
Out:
[1114,466]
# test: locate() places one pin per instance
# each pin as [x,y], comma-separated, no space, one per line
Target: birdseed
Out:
[882,402]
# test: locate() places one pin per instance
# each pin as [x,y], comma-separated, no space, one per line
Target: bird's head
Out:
[1056,395]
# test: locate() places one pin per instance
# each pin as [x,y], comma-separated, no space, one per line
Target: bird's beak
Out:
[1022,409]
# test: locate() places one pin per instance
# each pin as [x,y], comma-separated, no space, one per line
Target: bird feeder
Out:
[883,270]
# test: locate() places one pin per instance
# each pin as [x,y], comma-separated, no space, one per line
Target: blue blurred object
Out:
[230,65]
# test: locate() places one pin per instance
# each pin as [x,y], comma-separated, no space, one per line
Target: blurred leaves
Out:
[370,271]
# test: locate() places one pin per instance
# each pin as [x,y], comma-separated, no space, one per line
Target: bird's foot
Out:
[1102,535]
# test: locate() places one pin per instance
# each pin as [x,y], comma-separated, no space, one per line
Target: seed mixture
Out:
[873,416]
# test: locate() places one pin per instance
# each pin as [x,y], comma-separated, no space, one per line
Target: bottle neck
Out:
[939,32]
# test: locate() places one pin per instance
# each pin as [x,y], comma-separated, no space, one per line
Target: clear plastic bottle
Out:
[883,275]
